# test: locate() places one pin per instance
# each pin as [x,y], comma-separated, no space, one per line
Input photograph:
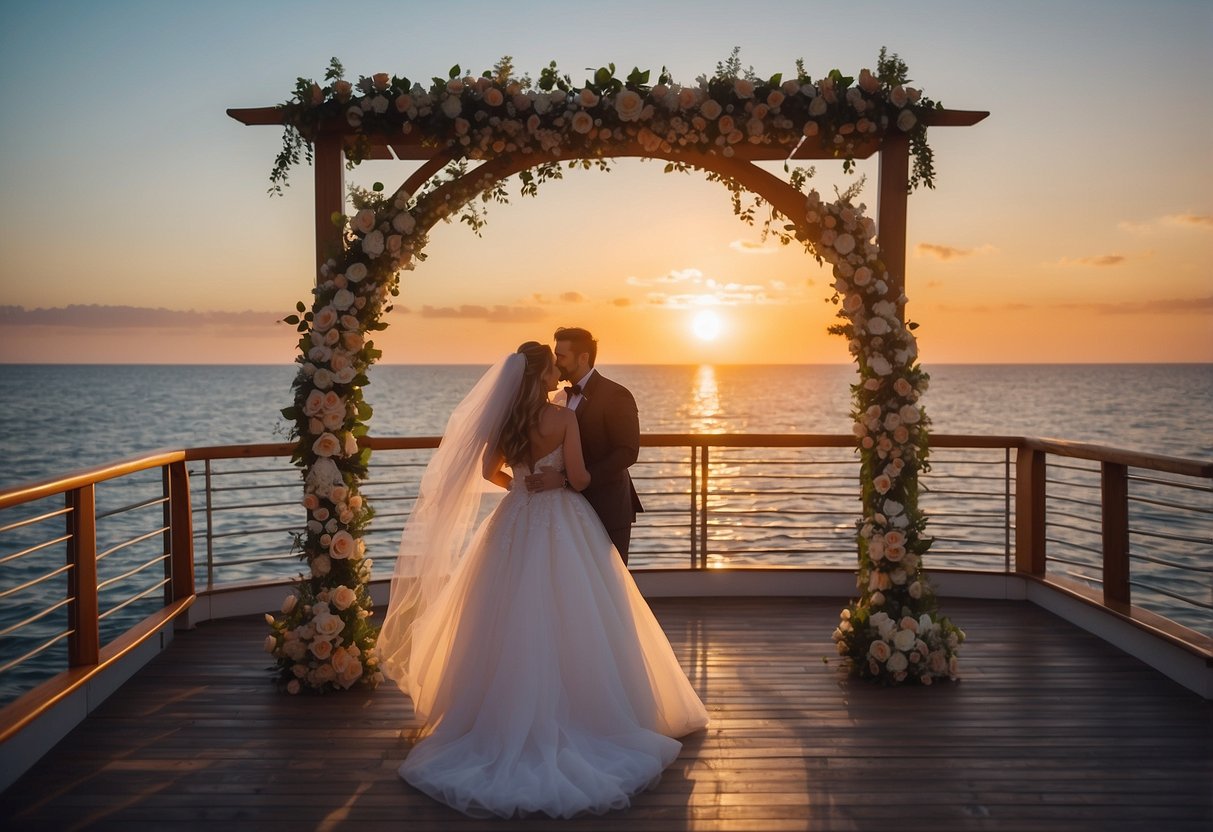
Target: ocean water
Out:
[62,418]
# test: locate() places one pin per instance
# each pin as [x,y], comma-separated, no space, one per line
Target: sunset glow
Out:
[1038,243]
[707,325]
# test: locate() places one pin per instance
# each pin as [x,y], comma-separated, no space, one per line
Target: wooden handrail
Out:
[1119,456]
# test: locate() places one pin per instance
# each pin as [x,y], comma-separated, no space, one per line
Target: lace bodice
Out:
[553,459]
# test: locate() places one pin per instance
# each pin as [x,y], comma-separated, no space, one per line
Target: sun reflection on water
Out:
[705,402]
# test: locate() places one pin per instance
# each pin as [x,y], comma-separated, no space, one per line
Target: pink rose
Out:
[879,650]
[906,121]
[342,545]
[629,105]
[743,88]
[711,109]
[343,596]
[493,97]
[882,483]
[587,98]
[326,445]
[324,319]
[321,566]
[582,122]
[321,649]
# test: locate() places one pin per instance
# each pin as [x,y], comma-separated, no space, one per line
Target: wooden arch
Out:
[332,140]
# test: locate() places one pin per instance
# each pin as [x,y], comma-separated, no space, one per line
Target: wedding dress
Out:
[545,683]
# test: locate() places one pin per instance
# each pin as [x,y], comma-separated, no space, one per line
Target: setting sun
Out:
[707,325]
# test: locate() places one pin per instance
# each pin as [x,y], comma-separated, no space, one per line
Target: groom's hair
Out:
[579,339]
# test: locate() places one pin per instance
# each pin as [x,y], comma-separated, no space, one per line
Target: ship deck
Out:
[1050,728]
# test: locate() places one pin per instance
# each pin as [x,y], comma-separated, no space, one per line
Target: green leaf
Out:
[293,320]
[338,219]
[299,307]
[377,187]
[603,75]
[455,71]
[776,79]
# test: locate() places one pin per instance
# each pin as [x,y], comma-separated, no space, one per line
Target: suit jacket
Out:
[609,425]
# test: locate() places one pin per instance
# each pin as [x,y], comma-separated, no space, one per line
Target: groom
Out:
[610,436]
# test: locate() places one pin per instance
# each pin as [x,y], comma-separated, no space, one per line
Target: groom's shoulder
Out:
[613,386]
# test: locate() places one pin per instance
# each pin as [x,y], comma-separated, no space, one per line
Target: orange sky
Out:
[1061,230]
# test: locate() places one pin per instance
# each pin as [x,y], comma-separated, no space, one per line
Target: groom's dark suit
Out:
[609,425]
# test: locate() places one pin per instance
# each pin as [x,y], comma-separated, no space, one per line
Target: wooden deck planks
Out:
[1051,728]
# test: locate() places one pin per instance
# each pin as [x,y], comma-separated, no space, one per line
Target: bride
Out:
[543,680]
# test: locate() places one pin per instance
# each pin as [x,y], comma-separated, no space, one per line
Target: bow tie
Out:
[573,390]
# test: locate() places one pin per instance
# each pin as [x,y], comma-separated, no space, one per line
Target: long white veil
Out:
[441,523]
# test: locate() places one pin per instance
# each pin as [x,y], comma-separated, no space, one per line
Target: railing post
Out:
[1030,511]
[84,641]
[179,519]
[210,531]
[703,507]
[1114,479]
[694,507]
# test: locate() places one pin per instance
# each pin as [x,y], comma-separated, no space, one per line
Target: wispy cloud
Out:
[622,302]
[493,314]
[97,316]
[945,253]
[573,297]
[1201,222]
[1100,261]
[1153,306]
[750,247]
[684,288]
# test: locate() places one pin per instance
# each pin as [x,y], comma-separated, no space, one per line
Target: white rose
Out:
[844,244]
[629,105]
[892,508]
[878,326]
[345,375]
[906,121]
[404,222]
[910,414]
[452,106]
[916,590]
[898,97]
[372,244]
[326,445]
[322,378]
[343,299]
[343,596]
[321,565]
[356,273]
[898,662]
[880,365]
[818,107]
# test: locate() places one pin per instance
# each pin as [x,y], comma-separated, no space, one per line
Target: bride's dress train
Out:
[544,680]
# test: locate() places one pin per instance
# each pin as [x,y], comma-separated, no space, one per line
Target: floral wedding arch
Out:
[473,133]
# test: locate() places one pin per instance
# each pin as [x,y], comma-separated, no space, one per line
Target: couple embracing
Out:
[543,680]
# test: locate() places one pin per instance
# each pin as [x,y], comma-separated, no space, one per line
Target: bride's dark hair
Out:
[524,415]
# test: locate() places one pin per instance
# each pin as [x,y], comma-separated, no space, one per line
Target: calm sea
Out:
[61,418]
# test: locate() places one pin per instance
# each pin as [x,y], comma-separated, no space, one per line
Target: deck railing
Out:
[85,582]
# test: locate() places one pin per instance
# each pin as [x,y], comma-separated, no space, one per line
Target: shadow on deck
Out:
[1050,728]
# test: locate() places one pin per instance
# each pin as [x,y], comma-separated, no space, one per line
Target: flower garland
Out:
[324,639]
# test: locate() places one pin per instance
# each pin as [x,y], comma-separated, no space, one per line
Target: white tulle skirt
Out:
[545,683]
